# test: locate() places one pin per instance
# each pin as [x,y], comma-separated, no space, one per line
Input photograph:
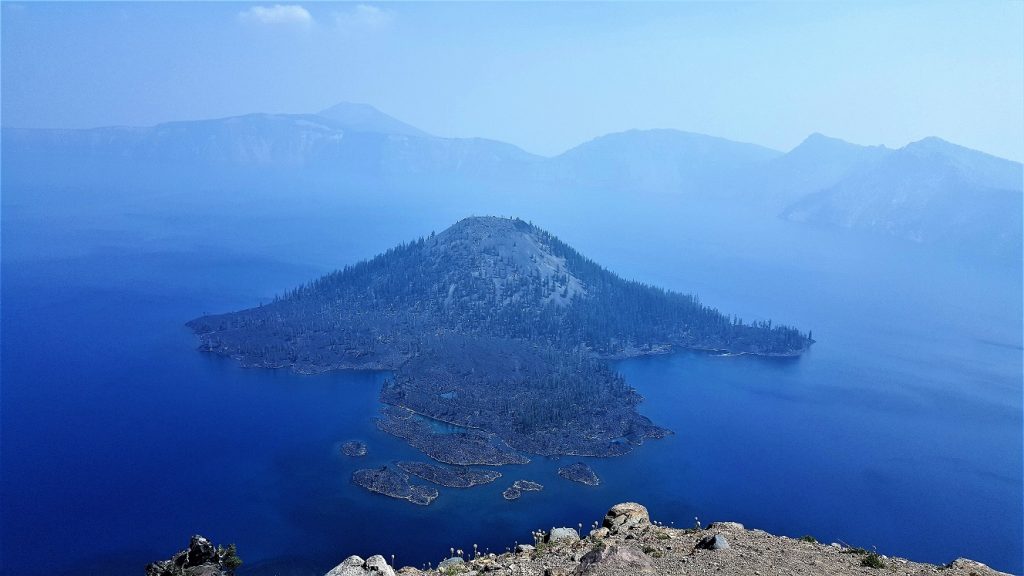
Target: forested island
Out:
[495,326]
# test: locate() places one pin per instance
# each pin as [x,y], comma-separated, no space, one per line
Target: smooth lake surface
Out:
[900,429]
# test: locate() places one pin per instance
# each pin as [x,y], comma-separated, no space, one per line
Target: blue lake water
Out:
[901,429]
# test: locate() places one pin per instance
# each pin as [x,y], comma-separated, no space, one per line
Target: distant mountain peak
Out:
[819,141]
[361,117]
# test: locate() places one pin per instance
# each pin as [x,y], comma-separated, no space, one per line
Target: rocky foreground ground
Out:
[628,543]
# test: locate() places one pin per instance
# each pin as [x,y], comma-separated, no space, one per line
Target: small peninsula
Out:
[517,488]
[493,326]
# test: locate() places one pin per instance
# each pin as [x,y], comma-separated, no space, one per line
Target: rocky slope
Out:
[630,544]
[201,558]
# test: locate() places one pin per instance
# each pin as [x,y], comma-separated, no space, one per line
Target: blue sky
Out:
[544,76]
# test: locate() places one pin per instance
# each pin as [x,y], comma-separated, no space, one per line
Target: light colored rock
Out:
[356,566]
[562,535]
[614,560]
[451,563]
[725,526]
[524,548]
[626,516]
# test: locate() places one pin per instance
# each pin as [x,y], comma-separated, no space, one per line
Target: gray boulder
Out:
[356,566]
[715,542]
[614,560]
[562,535]
[626,516]
[452,562]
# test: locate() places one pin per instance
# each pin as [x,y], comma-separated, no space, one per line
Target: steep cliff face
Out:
[630,543]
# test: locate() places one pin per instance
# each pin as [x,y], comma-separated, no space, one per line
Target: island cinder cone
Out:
[495,325]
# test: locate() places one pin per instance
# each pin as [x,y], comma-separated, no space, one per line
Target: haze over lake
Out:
[923,392]
[796,231]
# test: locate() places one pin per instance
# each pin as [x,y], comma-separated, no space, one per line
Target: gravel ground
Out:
[630,545]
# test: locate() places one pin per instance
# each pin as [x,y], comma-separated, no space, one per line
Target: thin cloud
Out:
[363,17]
[278,14]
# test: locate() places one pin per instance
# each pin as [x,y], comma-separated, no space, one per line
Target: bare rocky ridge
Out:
[629,543]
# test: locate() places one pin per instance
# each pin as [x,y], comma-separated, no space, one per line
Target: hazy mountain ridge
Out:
[658,161]
[241,152]
[365,118]
[815,164]
[930,191]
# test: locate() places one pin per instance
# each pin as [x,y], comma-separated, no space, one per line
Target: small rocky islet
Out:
[394,483]
[579,472]
[517,488]
[354,448]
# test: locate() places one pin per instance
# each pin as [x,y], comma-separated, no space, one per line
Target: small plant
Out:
[854,550]
[652,551]
[809,538]
[662,536]
[872,560]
